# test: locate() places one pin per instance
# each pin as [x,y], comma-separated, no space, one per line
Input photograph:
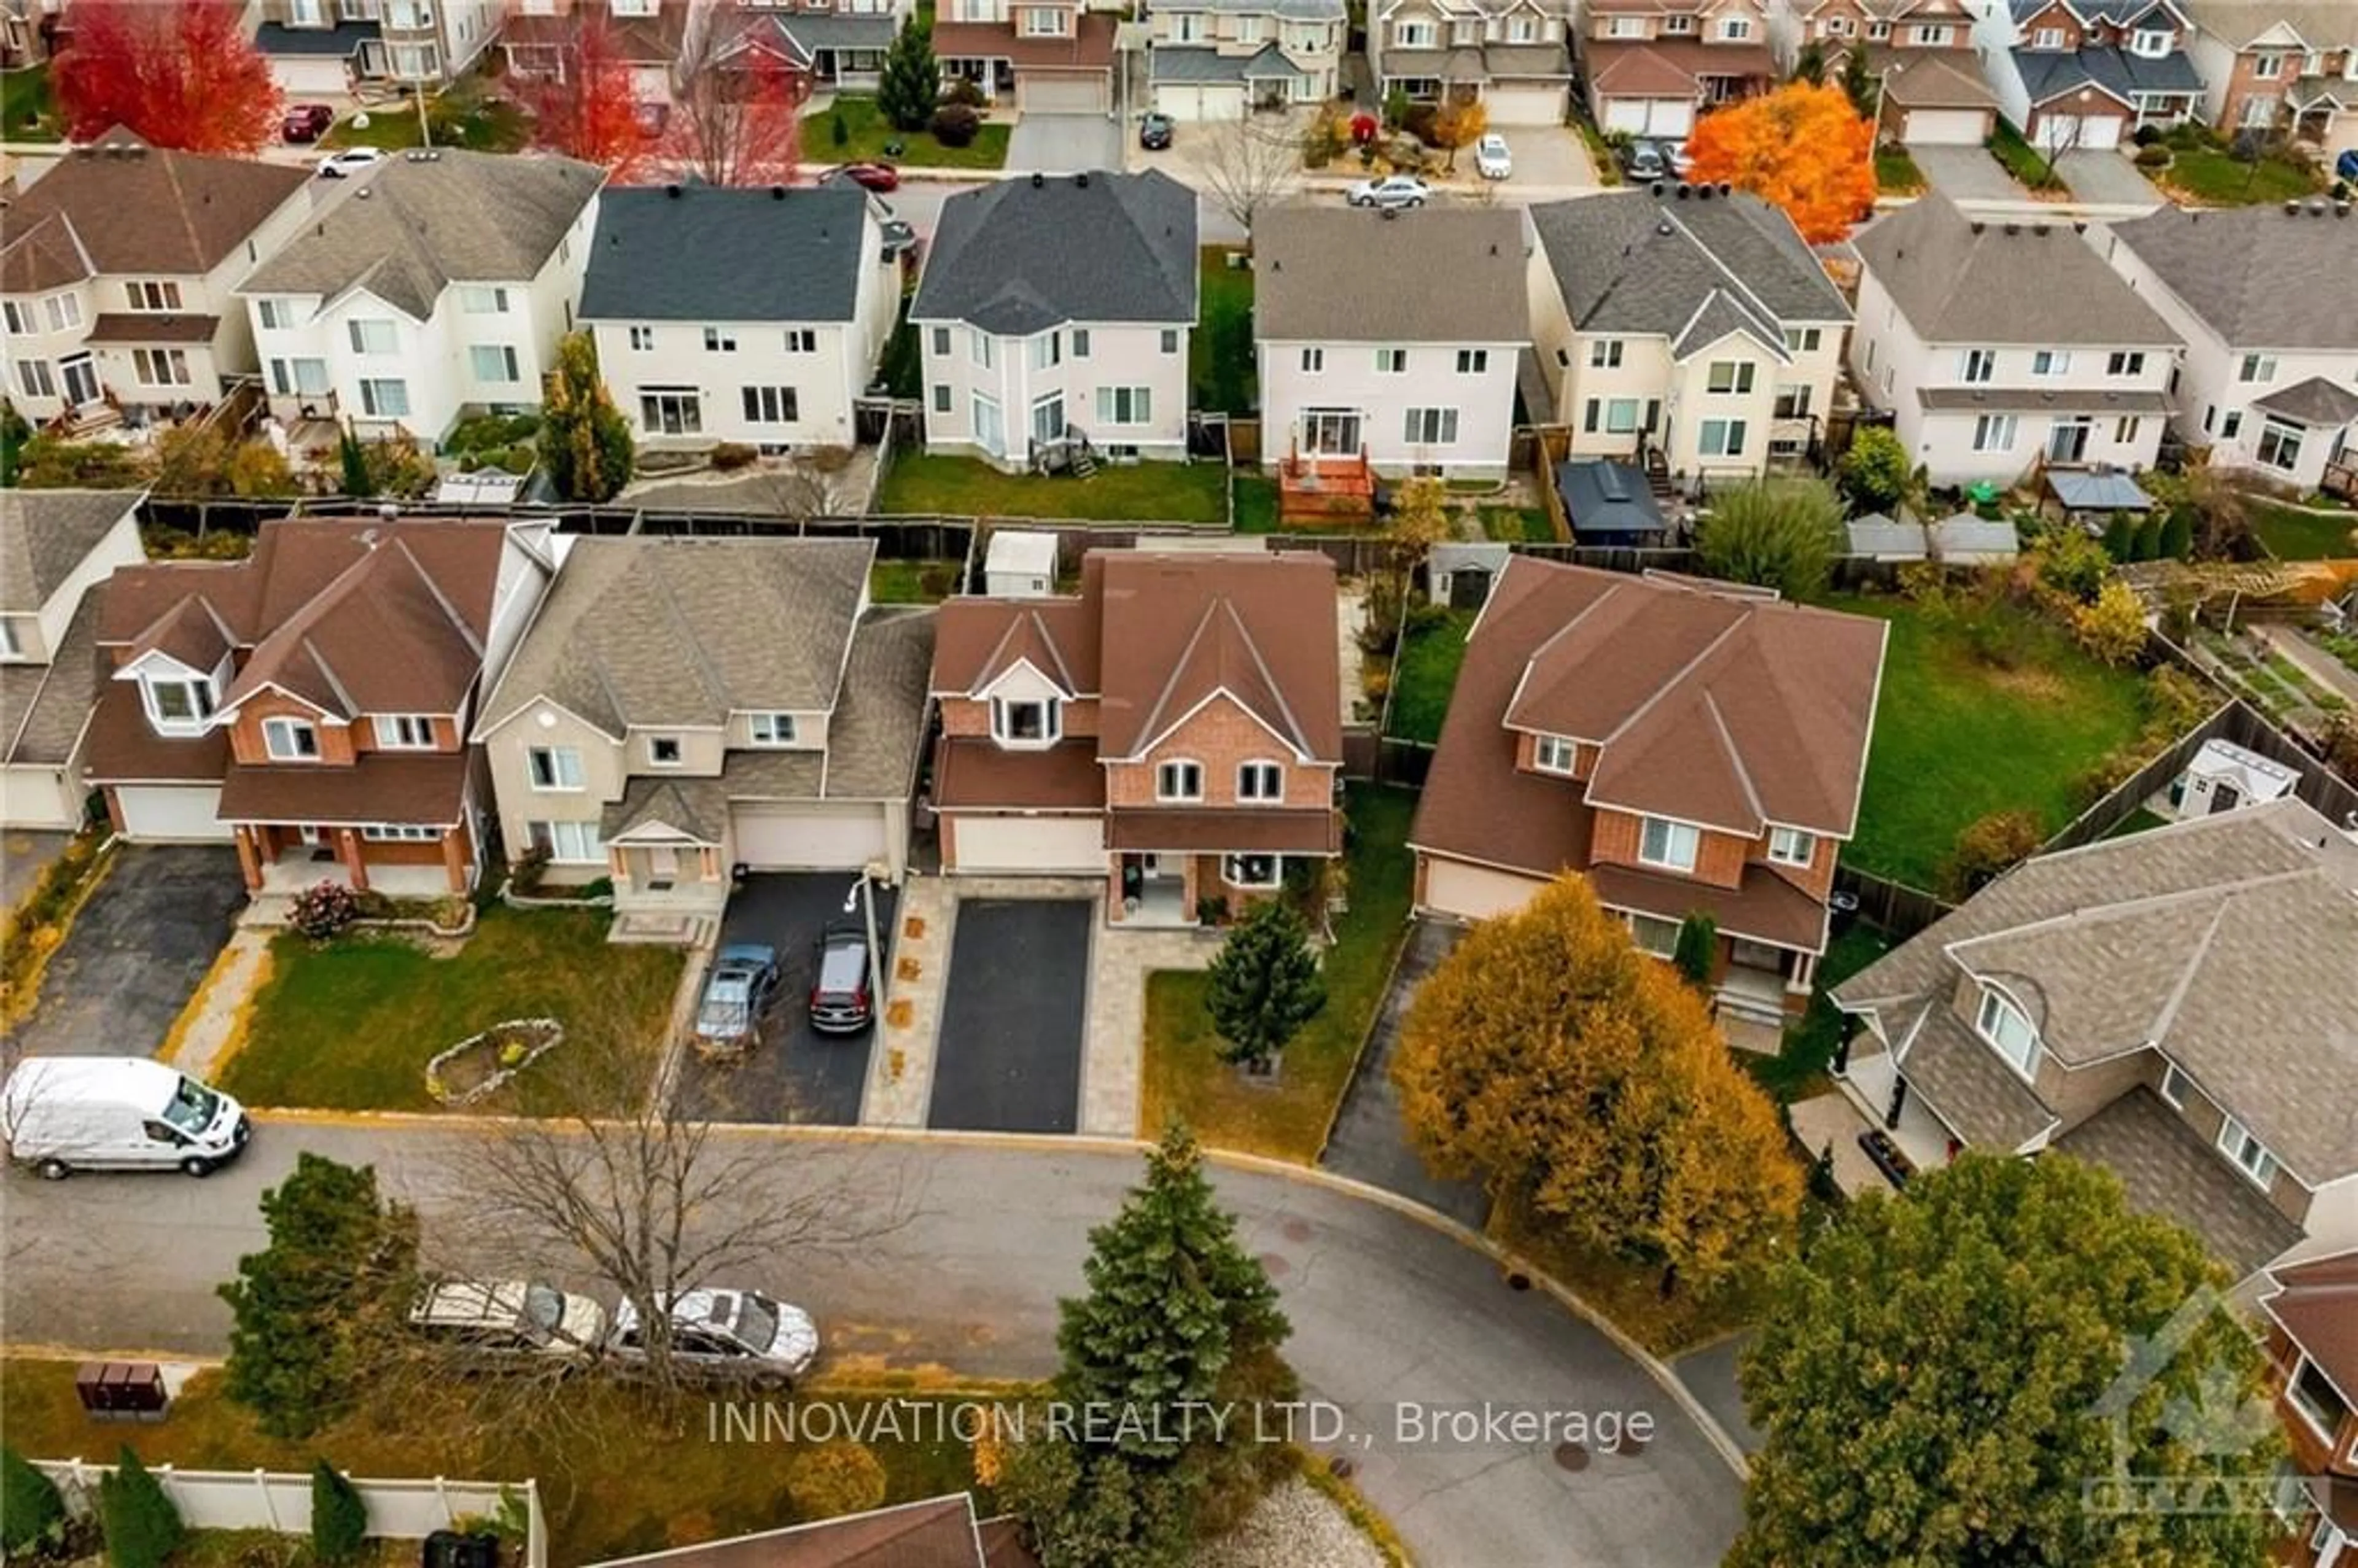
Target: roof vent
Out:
[1494,250]
[1979,225]
[777,194]
[1664,227]
[2013,229]
[2080,227]
[2317,208]
[363,194]
[672,191]
[1038,179]
[2342,209]
[1081,180]
[1703,192]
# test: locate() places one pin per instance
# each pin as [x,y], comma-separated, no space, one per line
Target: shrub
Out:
[835,1478]
[517,460]
[2152,155]
[2149,540]
[838,131]
[143,1528]
[956,125]
[1990,846]
[2121,537]
[323,909]
[2177,535]
[1874,470]
[1323,142]
[338,1516]
[529,868]
[730,456]
[32,1509]
[966,93]
[2113,628]
[2147,135]
[2072,565]
[1780,535]
[2174,702]
[47,462]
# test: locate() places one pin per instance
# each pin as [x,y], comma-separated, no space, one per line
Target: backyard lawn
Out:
[1427,674]
[2292,534]
[27,114]
[1255,498]
[866,132]
[1221,375]
[912,582]
[350,1025]
[1957,737]
[2213,176]
[1517,526]
[1184,1072]
[923,483]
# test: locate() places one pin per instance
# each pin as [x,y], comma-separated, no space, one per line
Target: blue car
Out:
[2346,166]
[743,984]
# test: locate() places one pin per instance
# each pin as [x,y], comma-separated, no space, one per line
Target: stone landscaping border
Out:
[552,1035]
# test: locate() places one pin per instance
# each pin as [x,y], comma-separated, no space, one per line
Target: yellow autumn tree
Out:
[1586,1085]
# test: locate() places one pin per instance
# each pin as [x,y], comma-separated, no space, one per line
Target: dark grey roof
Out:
[1963,281]
[660,630]
[2050,74]
[2316,401]
[2168,1169]
[2321,24]
[1722,314]
[1633,262]
[2041,399]
[714,253]
[1017,257]
[1327,274]
[338,42]
[1524,61]
[45,534]
[2085,489]
[1606,497]
[1208,65]
[45,707]
[2259,276]
[811,31]
[419,221]
[1460,64]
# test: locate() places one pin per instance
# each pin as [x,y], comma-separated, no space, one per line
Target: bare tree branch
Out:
[1251,164]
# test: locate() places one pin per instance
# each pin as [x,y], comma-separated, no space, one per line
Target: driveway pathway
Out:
[1967,174]
[1063,144]
[138,949]
[2106,178]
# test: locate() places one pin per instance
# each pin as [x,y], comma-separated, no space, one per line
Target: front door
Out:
[81,380]
[2067,441]
[1331,431]
[663,867]
[309,835]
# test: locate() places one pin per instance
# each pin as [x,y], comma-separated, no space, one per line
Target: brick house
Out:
[1049,55]
[2279,65]
[311,703]
[1687,749]
[1651,66]
[2083,75]
[2311,1311]
[1175,728]
[1921,48]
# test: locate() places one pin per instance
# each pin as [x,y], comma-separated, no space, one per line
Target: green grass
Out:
[923,483]
[867,134]
[911,582]
[2295,535]
[1256,497]
[1183,1071]
[1957,737]
[1427,675]
[2213,177]
[1517,526]
[26,112]
[1895,173]
[903,365]
[2025,162]
[350,1025]
[1797,1071]
[467,115]
[1222,375]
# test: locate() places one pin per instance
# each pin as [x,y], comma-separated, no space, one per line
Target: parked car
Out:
[872,175]
[744,983]
[727,1335]
[496,1323]
[305,122]
[1642,160]
[1155,130]
[1493,159]
[64,1114]
[2346,166]
[347,161]
[1394,191]
[1675,155]
[842,999]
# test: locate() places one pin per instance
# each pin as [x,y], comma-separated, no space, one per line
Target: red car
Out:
[873,176]
[305,122]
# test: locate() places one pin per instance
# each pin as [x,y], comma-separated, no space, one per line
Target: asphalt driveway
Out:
[795,1075]
[1009,1053]
[2106,178]
[1063,144]
[136,952]
[1967,174]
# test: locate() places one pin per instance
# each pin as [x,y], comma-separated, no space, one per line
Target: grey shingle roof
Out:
[1345,275]
[2259,276]
[2321,24]
[44,534]
[340,42]
[1960,281]
[696,806]
[1292,10]
[418,223]
[872,743]
[1016,257]
[713,254]
[1633,262]
[1967,1086]
[2050,74]
[2231,942]
[2168,1169]
[2316,401]
[1190,65]
[686,631]
[45,707]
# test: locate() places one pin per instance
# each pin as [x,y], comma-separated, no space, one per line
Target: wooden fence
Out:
[1899,910]
[2236,724]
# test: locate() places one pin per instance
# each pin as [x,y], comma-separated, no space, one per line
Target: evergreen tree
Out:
[1265,983]
[1812,67]
[1858,81]
[32,1509]
[2176,535]
[1697,951]
[911,85]
[2121,538]
[584,439]
[353,457]
[142,1527]
[312,1305]
[338,1516]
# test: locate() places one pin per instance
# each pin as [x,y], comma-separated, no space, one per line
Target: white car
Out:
[494,1323]
[345,161]
[1675,155]
[1492,157]
[1394,191]
[727,1335]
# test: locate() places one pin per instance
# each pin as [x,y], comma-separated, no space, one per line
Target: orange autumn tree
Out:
[1804,149]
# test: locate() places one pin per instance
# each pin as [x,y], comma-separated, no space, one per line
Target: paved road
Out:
[1385,1309]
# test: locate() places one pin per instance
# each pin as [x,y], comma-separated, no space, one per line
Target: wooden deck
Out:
[1314,492]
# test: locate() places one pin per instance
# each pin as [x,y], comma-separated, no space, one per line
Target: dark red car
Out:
[874,175]
[305,122]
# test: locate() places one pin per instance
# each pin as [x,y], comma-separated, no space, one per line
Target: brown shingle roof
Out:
[382,787]
[978,638]
[123,749]
[135,327]
[123,207]
[2316,1303]
[1669,67]
[1763,907]
[970,771]
[1241,832]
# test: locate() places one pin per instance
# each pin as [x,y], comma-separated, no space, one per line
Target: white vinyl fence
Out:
[263,1499]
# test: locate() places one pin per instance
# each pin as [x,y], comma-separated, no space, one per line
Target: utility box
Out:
[122,1390]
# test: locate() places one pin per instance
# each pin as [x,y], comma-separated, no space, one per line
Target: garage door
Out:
[1038,94]
[1946,127]
[808,837]
[301,77]
[171,813]
[1071,845]
[1473,892]
[1195,101]
[2079,132]
[1626,114]
[1529,104]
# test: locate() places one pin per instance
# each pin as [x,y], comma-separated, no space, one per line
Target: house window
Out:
[64,311]
[1047,349]
[1169,339]
[942,341]
[1978,365]
[2051,363]
[493,361]
[1554,755]
[400,833]
[1263,782]
[404,732]
[276,314]
[385,399]
[482,299]
[177,706]
[553,767]
[2173,1087]
[371,337]
[1431,427]
[1993,433]
[2232,425]
[567,843]
[1933,37]
[20,318]
[1025,721]
[802,340]
[2251,1155]
[2256,368]
[2279,446]
[1791,847]
[1048,419]
[1473,362]
[663,751]
[2009,1029]
[290,740]
[2310,1393]
[1793,401]
[2047,39]
[151,297]
[2125,428]
[1125,404]
[770,729]
[670,411]
[982,348]
[12,641]
[1615,27]
[1247,29]
[160,367]
[1653,934]
[1723,437]
[1735,29]
[1415,35]
[1252,871]
[1804,340]
[643,340]
[2153,43]
[770,404]
[1391,361]
[1620,415]
[1080,342]
[1673,845]
[2125,362]
[990,426]
[1730,377]
[1838,27]
[2267,66]
[1179,781]
[942,397]
[1312,361]
[34,376]
[1604,353]
[717,341]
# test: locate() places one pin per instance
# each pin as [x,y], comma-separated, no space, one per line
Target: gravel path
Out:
[1296,1526]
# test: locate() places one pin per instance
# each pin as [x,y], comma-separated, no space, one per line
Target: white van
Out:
[64,1114]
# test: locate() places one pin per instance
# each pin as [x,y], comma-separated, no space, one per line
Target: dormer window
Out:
[2251,1155]
[2047,40]
[290,740]
[1260,783]
[177,706]
[1678,25]
[772,729]
[1791,847]
[2009,1029]
[405,732]
[1935,36]
[1554,755]
[663,751]
[2153,43]
[1179,781]
[1878,31]
[1670,845]
[1025,721]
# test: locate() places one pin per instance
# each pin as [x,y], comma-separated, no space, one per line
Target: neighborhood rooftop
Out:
[2259,276]
[1390,289]
[704,252]
[120,206]
[1019,256]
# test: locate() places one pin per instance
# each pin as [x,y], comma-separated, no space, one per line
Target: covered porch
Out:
[1871,1081]
[667,853]
[399,860]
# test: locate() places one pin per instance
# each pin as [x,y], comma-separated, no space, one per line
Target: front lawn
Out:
[351,1024]
[1184,1072]
[1895,173]
[926,483]
[26,112]
[1256,497]
[2214,178]
[1221,374]
[1427,674]
[2292,534]
[868,137]
[1957,737]
[468,114]
[2025,163]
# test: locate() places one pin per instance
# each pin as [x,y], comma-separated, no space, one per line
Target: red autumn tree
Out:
[735,105]
[1802,148]
[184,75]
[586,105]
